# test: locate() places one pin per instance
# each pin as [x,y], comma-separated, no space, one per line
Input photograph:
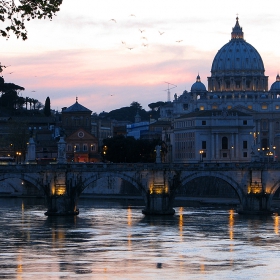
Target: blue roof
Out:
[276,85]
[198,85]
[237,54]
[76,107]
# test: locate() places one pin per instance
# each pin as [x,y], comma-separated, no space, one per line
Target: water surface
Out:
[113,240]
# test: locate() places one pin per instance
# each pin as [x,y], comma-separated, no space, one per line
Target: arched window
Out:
[224,143]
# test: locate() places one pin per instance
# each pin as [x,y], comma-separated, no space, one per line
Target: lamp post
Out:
[263,158]
[18,157]
[274,156]
[231,153]
[268,154]
[201,155]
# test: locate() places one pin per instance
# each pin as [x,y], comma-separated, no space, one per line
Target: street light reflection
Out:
[181,222]
[276,224]
[231,223]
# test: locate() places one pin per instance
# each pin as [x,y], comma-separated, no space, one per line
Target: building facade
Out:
[82,146]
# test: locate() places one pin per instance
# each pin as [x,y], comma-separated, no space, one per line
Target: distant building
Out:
[75,117]
[82,146]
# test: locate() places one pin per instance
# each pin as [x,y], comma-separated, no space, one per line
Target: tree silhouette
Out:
[16,14]
[9,98]
[47,108]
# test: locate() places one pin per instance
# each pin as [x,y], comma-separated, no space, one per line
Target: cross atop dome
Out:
[237,32]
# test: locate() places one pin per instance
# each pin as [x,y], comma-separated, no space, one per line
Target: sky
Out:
[110,53]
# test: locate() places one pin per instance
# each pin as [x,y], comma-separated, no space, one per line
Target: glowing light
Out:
[59,189]
[276,224]
[181,221]
[231,223]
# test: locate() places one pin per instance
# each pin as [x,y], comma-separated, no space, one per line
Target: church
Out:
[236,119]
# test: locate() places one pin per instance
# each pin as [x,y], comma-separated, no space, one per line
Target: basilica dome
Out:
[198,86]
[276,85]
[237,66]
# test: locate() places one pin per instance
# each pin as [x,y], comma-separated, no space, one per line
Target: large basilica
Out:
[236,119]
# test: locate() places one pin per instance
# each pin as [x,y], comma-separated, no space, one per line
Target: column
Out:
[213,154]
[237,148]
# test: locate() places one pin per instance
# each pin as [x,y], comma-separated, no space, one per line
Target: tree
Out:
[16,13]
[155,106]
[9,98]
[47,108]
[136,105]
[34,102]
[128,149]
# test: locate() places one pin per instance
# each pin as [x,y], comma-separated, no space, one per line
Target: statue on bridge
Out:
[158,157]
[61,155]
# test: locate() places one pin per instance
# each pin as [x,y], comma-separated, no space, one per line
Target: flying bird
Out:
[124,43]
[144,38]
[179,41]
[160,33]
[132,15]
[113,20]
[141,30]
[145,45]
[130,49]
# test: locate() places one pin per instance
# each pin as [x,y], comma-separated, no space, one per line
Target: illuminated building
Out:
[236,119]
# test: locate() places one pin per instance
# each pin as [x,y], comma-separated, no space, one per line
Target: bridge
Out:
[62,184]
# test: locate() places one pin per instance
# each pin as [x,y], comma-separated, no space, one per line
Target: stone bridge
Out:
[255,183]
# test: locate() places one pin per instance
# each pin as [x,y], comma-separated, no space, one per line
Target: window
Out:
[250,107]
[244,154]
[214,107]
[264,106]
[203,145]
[229,107]
[224,155]
[224,143]
[201,108]
[245,122]
[277,107]
[203,122]
[85,148]
[77,148]
[93,147]
[245,145]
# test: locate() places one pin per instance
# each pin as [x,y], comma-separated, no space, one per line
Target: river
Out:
[114,240]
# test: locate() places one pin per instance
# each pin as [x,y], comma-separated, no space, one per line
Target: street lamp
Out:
[201,155]
[274,156]
[18,157]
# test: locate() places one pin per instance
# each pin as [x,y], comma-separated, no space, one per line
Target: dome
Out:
[237,55]
[237,66]
[198,85]
[276,85]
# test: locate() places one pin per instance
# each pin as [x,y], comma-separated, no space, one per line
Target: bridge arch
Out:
[31,179]
[274,189]
[99,175]
[194,175]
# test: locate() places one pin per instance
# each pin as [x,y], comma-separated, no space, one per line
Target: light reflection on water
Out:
[110,240]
